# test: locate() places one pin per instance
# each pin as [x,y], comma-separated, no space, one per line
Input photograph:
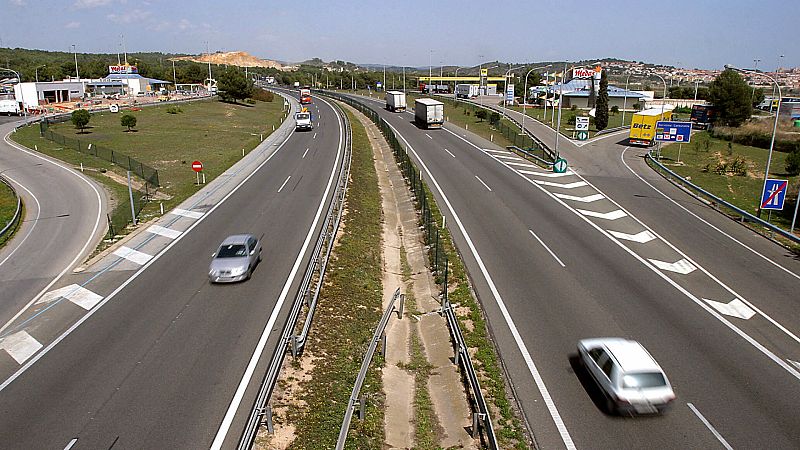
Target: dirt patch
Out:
[136,185]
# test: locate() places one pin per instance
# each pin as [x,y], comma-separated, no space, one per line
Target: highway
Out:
[165,359]
[65,218]
[600,251]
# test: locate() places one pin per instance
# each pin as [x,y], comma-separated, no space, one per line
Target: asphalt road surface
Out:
[600,252]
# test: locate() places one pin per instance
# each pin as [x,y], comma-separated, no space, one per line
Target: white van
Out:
[9,107]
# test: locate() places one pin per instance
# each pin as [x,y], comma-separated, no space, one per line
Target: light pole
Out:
[37,71]
[664,95]
[625,99]
[505,94]
[774,130]
[21,92]
[525,95]
[755,68]
[174,76]
[430,69]
[75,51]
[560,101]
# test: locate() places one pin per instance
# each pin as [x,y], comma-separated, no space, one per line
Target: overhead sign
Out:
[673,131]
[560,166]
[197,166]
[123,69]
[774,194]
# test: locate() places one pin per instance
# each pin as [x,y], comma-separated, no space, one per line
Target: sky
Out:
[704,34]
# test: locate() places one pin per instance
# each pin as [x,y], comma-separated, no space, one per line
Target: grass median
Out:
[8,207]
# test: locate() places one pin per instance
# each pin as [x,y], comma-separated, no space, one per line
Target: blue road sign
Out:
[673,131]
[774,194]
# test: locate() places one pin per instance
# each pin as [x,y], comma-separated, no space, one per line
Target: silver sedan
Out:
[235,259]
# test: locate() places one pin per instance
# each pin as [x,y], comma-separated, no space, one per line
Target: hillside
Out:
[239,59]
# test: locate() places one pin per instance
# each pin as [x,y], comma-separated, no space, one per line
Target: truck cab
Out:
[303,120]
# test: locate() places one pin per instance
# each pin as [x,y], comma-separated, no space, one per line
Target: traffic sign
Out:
[197,166]
[560,166]
[510,94]
[673,131]
[582,127]
[774,194]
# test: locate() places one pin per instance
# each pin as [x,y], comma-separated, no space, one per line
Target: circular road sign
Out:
[560,166]
[197,166]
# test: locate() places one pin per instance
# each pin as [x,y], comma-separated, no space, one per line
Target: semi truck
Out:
[466,90]
[429,113]
[702,115]
[643,126]
[303,120]
[395,101]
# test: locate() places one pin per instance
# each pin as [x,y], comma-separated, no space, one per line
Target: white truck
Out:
[395,101]
[303,121]
[429,113]
[9,107]
[466,90]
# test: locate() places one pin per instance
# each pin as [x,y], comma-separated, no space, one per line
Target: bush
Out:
[250,101]
[128,120]
[262,95]
[481,114]
[793,163]
[494,119]
[682,110]
[174,110]
[615,110]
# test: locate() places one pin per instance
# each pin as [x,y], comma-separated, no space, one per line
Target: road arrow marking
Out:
[20,346]
[161,231]
[642,237]
[133,255]
[547,174]
[680,266]
[574,185]
[186,213]
[587,199]
[611,215]
[735,308]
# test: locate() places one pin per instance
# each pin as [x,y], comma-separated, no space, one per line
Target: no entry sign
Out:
[197,166]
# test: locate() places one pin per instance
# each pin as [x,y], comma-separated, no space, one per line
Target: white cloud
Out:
[91,3]
[72,25]
[132,16]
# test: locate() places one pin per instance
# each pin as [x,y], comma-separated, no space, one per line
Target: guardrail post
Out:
[457,357]
[362,407]
[267,419]
[382,349]
[401,307]
[476,423]
[295,347]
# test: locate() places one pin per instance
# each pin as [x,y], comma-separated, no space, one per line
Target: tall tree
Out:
[80,118]
[730,94]
[601,108]
[233,85]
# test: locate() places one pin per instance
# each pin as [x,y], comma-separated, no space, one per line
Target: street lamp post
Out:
[75,51]
[560,101]
[21,92]
[525,95]
[774,130]
[625,99]
[37,71]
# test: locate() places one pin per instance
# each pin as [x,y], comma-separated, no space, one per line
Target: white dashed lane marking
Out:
[133,255]
[680,266]
[161,231]
[20,346]
[186,213]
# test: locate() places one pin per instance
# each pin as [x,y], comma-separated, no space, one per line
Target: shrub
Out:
[793,163]
[494,119]
[615,110]
[174,110]
[128,120]
[250,101]
[262,95]
[481,114]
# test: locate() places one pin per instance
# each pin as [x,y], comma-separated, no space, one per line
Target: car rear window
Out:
[643,380]
[232,251]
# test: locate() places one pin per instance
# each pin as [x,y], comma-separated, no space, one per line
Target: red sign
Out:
[197,166]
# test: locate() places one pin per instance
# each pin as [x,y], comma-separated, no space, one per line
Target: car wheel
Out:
[259,256]
[611,407]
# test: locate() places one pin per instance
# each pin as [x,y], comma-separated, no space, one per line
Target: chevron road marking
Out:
[547,174]
[573,185]
[642,237]
[521,164]
[587,199]
[611,215]
[20,346]
[161,231]
[133,255]
[735,308]
[81,296]
[511,157]
[186,213]
[504,152]
[794,363]
[680,266]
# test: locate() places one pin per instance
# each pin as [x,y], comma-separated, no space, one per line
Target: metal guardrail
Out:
[439,265]
[699,192]
[379,336]
[17,214]
[261,413]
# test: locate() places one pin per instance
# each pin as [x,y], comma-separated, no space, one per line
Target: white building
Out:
[35,95]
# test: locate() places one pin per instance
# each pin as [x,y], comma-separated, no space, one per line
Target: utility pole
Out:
[75,50]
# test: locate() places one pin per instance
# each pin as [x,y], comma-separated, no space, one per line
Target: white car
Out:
[630,378]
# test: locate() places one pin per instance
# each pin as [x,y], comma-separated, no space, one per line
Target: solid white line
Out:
[132,255]
[715,228]
[305,153]
[572,185]
[526,356]
[547,248]
[34,222]
[697,301]
[86,317]
[511,157]
[85,245]
[503,152]
[429,136]
[451,153]
[532,166]
[222,432]
[484,184]
[547,174]
[71,443]
[20,346]
[284,183]
[315,136]
[186,213]
[162,231]
[710,428]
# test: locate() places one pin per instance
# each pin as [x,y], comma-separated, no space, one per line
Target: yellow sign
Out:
[484,72]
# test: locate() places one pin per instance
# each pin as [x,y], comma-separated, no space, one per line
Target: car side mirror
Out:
[253,251]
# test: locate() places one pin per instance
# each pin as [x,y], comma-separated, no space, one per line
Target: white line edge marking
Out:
[714,227]
[547,248]
[88,315]
[33,226]
[315,136]
[451,153]
[429,136]
[284,183]
[71,444]
[305,153]
[227,421]
[769,354]
[85,245]
[484,184]
[548,400]
[710,427]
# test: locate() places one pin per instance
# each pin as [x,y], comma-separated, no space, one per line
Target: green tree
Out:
[793,163]
[614,110]
[731,96]
[80,118]
[128,120]
[601,107]
[494,119]
[233,85]
[481,114]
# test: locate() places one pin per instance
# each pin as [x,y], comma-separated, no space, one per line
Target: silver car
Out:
[631,380]
[235,259]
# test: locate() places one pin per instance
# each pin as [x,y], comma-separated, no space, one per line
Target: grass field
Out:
[714,169]
[8,206]
[209,131]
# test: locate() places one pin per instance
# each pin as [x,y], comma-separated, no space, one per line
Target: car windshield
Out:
[232,251]
[643,380]
[302,116]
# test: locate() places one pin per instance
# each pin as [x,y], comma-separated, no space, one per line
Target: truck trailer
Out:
[466,90]
[643,126]
[429,113]
[395,101]
[702,116]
